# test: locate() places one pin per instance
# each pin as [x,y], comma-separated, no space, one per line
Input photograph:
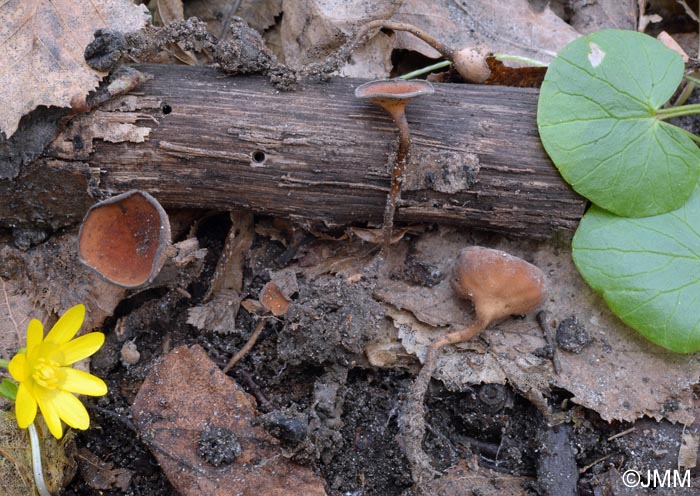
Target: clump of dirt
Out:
[331,322]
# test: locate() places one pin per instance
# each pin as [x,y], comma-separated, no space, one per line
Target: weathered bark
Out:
[316,155]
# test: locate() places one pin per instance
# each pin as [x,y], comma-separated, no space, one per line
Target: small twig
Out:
[585,469]
[255,390]
[543,320]
[246,348]
[227,19]
[620,434]
[114,415]
[9,312]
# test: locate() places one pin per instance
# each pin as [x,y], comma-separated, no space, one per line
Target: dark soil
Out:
[330,409]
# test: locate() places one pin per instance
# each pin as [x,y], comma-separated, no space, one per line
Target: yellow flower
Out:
[43,370]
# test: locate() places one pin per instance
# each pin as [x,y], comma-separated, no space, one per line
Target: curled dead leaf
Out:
[273,300]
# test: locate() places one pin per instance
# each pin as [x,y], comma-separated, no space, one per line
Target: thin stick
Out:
[623,433]
[246,348]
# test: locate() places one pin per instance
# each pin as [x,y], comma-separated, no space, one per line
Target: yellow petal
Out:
[25,406]
[18,367]
[77,381]
[80,348]
[67,326]
[45,398]
[71,410]
[35,334]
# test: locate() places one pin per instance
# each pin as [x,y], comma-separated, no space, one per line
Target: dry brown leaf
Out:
[587,16]
[16,310]
[181,398]
[511,27]
[222,301]
[169,11]
[54,279]
[620,374]
[688,452]
[42,61]
[259,14]
[470,478]
[313,29]
[102,475]
[376,236]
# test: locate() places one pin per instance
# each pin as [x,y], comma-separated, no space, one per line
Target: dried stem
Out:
[412,421]
[396,179]
[246,348]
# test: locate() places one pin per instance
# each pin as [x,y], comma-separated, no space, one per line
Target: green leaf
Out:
[597,120]
[8,389]
[648,270]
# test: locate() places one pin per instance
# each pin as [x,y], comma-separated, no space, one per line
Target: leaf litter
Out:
[42,61]
[620,375]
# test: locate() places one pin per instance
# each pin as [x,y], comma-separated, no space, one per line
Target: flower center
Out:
[47,373]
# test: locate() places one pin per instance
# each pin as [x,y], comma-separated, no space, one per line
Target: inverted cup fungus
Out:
[392,95]
[499,285]
[125,239]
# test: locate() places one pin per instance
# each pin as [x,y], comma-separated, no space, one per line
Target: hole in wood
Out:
[258,157]
[166,109]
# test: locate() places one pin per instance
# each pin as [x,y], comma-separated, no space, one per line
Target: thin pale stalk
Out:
[36,462]
[683,110]
[426,70]
[518,58]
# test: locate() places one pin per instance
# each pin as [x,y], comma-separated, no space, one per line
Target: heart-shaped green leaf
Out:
[648,270]
[597,120]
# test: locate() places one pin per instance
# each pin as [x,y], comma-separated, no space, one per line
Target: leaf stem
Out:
[425,70]
[671,112]
[518,58]
[36,462]
[690,135]
[4,363]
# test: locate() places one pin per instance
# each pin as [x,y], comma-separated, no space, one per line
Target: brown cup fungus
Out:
[392,95]
[125,239]
[499,285]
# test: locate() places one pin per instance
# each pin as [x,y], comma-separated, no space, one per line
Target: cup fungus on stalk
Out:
[125,239]
[392,95]
[499,285]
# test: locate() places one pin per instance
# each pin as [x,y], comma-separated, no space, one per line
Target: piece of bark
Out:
[317,156]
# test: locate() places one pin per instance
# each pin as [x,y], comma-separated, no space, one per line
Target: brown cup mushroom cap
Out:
[393,93]
[125,239]
[498,283]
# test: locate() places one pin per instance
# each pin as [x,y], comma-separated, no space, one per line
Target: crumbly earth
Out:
[334,412]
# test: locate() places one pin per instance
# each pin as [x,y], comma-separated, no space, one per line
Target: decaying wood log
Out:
[194,138]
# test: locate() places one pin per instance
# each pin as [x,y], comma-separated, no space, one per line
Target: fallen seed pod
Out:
[125,239]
